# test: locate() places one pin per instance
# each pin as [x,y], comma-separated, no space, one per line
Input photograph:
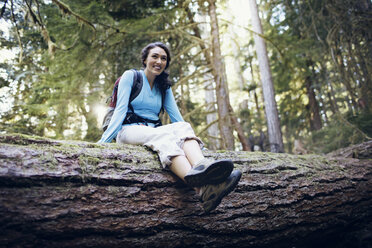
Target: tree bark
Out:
[241,136]
[346,81]
[365,91]
[315,120]
[219,73]
[273,124]
[79,194]
[237,65]
[211,116]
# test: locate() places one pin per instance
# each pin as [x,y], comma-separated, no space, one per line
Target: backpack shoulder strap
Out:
[163,92]
[136,88]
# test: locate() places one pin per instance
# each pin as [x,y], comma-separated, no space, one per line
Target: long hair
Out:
[161,81]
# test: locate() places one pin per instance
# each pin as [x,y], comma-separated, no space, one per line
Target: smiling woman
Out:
[137,122]
[156,61]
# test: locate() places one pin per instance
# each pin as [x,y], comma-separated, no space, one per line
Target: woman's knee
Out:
[184,126]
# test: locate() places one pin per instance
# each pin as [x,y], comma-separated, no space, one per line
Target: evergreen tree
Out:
[273,125]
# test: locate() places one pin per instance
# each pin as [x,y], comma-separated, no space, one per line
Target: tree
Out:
[212,118]
[315,120]
[273,125]
[68,193]
[69,54]
[73,59]
[312,43]
[215,61]
[219,73]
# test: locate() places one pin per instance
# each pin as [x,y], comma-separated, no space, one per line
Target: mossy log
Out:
[79,194]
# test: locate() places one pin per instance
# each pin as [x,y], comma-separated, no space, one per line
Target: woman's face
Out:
[156,61]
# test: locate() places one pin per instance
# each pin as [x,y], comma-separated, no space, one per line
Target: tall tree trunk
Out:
[273,124]
[365,6]
[345,80]
[241,82]
[219,73]
[324,109]
[212,122]
[330,91]
[241,136]
[183,99]
[237,65]
[315,120]
[323,86]
[258,109]
[366,83]
[80,194]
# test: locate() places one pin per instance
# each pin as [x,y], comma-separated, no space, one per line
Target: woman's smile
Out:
[156,61]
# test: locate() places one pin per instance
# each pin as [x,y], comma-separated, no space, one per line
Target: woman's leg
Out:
[204,171]
[180,166]
[193,152]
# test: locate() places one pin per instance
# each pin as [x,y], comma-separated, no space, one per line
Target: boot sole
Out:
[224,193]
[216,173]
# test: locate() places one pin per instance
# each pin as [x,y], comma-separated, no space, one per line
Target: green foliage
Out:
[96,42]
[316,45]
[314,48]
[362,120]
[343,131]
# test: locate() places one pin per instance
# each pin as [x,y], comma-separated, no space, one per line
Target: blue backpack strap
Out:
[163,92]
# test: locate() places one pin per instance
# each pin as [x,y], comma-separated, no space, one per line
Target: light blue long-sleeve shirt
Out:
[147,105]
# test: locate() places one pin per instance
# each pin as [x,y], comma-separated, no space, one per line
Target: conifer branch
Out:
[44,32]
[195,74]
[195,110]
[340,117]
[206,128]
[260,35]
[65,9]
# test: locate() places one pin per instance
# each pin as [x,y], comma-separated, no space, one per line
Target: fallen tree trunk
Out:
[80,194]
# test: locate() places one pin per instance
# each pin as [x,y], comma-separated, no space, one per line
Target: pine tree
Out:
[273,125]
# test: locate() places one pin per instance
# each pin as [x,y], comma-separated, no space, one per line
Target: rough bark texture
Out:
[315,119]
[211,116]
[361,151]
[239,129]
[272,116]
[79,194]
[219,73]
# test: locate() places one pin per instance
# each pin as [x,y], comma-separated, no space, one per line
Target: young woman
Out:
[176,144]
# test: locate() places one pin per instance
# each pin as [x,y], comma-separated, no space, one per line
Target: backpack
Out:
[131,116]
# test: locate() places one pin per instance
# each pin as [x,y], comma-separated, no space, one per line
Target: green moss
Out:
[116,163]
[49,159]
[24,139]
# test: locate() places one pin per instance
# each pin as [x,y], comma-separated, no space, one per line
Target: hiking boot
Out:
[211,195]
[209,171]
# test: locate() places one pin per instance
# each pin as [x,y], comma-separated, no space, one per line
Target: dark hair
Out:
[161,81]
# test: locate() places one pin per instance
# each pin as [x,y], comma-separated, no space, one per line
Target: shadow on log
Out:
[79,194]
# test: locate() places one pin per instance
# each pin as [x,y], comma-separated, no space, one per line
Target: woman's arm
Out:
[171,107]
[124,89]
